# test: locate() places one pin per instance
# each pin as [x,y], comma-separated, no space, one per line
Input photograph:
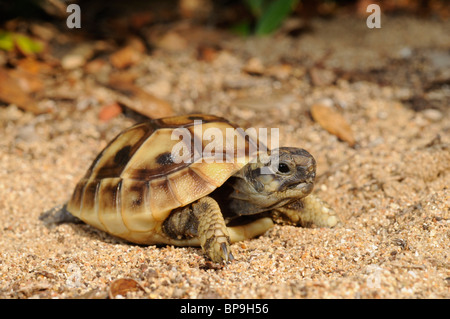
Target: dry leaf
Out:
[122,286]
[140,101]
[254,66]
[109,111]
[195,9]
[130,55]
[207,53]
[140,19]
[333,122]
[34,66]
[15,89]
[95,66]
[125,57]
[322,77]
[172,41]
[29,83]
[280,71]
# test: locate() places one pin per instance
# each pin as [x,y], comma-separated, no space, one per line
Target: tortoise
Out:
[140,190]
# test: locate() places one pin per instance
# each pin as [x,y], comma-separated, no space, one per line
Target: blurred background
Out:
[38,49]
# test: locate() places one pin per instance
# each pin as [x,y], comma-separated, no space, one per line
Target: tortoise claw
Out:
[228,256]
[219,252]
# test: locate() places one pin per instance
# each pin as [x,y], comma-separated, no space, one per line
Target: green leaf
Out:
[6,41]
[27,45]
[272,17]
[256,7]
[242,29]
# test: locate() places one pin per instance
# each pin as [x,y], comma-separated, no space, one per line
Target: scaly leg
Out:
[310,210]
[203,219]
[250,230]
[212,231]
[58,215]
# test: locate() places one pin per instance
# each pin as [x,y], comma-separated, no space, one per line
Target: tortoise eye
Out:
[283,168]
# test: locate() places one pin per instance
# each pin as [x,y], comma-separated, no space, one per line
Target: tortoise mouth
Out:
[302,187]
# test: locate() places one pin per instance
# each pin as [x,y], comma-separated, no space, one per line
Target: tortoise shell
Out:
[134,183]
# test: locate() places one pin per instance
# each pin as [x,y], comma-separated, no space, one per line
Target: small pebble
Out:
[432,114]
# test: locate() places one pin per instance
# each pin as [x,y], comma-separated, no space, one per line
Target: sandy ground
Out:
[391,189]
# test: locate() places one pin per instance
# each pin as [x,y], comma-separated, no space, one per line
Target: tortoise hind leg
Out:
[205,221]
[58,215]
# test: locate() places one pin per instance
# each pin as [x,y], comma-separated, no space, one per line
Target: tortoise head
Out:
[284,175]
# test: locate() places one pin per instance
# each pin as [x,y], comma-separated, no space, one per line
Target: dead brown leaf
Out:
[333,121]
[254,66]
[130,55]
[15,88]
[207,53]
[280,71]
[122,286]
[139,100]
[141,19]
[109,111]
[195,9]
[172,41]
[33,66]
[95,66]
[322,77]
[28,82]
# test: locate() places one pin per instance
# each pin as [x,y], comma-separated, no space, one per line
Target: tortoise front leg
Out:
[203,219]
[212,231]
[250,230]
[309,210]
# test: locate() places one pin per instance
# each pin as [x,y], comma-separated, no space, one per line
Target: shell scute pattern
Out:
[114,158]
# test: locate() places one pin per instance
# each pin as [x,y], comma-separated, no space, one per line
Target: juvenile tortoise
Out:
[136,190]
